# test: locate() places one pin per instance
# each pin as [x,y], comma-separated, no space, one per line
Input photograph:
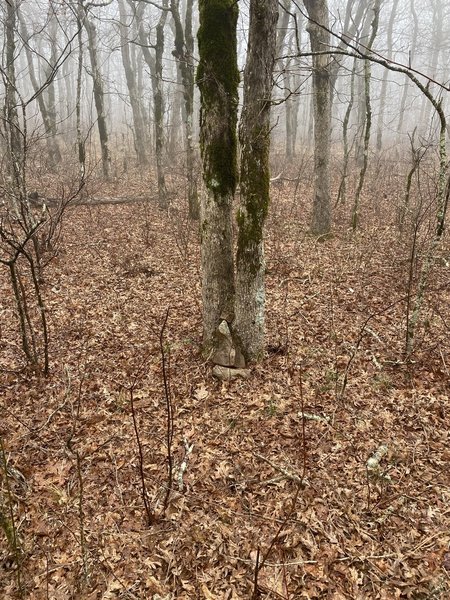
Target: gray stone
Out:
[226,355]
[227,373]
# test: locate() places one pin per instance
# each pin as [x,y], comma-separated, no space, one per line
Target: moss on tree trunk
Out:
[254,135]
[217,79]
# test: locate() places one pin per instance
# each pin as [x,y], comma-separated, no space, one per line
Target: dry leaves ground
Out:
[351,534]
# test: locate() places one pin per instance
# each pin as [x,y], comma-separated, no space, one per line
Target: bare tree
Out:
[384,83]
[130,76]
[155,65]
[48,116]
[320,43]
[184,52]
[98,88]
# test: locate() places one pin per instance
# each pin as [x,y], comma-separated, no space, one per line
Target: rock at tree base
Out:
[226,355]
[227,373]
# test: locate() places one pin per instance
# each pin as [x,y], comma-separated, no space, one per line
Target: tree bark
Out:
[320,42]
[254,136]
[155,66]
[52,144]
[130,76]
[99,95]
[218,79]
[384,83]
[11,119]
[412,54]
[184,52]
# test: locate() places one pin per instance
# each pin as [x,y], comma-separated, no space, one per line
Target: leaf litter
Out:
[354,533]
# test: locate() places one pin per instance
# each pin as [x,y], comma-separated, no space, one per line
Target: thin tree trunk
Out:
[51,89]
[254,135]
[412,54]
[342,192]
[384,83]
[368,115]
[52,144]
[81,148]
[184,52]
[284,17]
[99,95]
[320,42]
[11,123]
[438,19]
[138,123]
[218,79]
[155,66]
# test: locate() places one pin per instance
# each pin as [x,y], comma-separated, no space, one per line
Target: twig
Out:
[81,518]
[255,580]
[169,411]
[285,472]
[150,514]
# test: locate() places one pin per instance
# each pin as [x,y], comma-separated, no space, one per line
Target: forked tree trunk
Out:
[218,79]
[320,42]
[254,135]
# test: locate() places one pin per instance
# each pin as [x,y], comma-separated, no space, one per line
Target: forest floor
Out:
[277,471]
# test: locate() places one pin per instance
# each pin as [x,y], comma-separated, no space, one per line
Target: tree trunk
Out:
[437,41]
[48,69]
[412,54]
[385,76]
[99,96]
[284,17]
[138,122]
[184,52]
[81,147]
[254,135]
[52,144]
[218,79]
[155,66]
[320,42]
[368,114]
[11,119]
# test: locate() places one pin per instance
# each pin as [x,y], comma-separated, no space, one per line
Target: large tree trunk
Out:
[320,42]
[218,79]
[254,135]
[138,121]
